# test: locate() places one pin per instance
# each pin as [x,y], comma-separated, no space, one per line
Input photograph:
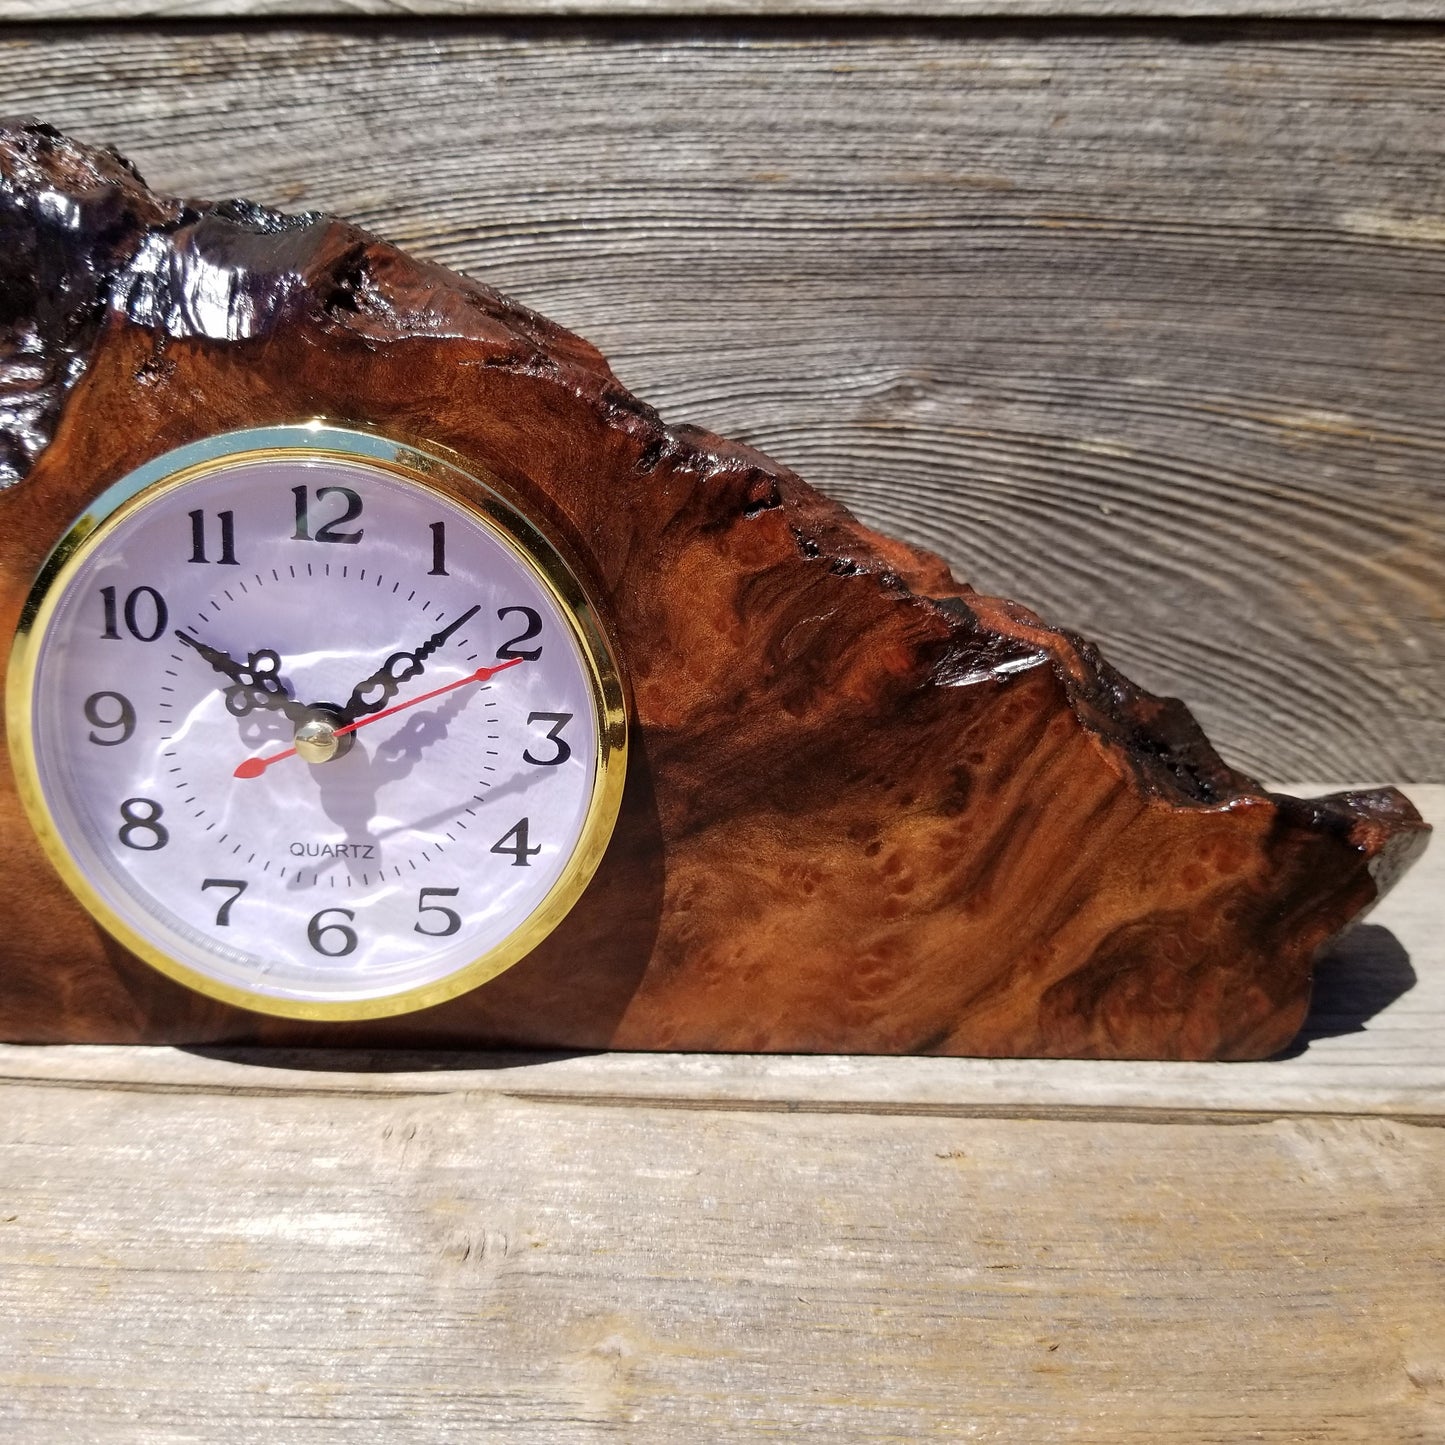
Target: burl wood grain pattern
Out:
[869,810]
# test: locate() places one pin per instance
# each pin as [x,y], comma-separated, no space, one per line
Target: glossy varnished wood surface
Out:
[1142,331]
[868,809]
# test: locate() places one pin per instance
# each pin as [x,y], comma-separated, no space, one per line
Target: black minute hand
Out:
[255,684]
[377,690]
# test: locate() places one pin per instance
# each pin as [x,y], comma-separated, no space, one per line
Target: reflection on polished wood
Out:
[870,810]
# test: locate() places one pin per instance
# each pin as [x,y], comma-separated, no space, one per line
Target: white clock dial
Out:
[316,724]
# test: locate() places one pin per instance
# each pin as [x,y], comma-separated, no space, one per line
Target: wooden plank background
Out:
[217,1268]
[1141,325]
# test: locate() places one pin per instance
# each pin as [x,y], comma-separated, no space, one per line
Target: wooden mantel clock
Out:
[384,673]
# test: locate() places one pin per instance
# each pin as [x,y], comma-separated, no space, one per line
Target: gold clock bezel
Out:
[463,483]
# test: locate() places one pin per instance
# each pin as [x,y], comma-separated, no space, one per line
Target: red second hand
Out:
[254,767]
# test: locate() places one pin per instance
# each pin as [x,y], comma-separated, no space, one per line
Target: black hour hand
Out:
[376,691]
[255,684]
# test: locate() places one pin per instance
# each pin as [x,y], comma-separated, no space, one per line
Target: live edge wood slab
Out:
[868,810]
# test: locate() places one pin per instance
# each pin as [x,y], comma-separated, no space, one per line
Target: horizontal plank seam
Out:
[802,25]
[1430,1117]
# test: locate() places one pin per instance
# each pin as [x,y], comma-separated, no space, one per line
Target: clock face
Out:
[316,723]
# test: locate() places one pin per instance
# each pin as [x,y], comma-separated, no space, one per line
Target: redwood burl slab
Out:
[869,809]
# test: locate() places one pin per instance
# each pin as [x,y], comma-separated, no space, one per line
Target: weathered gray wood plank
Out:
[460,1268]
[1144,332]
[1372,1046]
